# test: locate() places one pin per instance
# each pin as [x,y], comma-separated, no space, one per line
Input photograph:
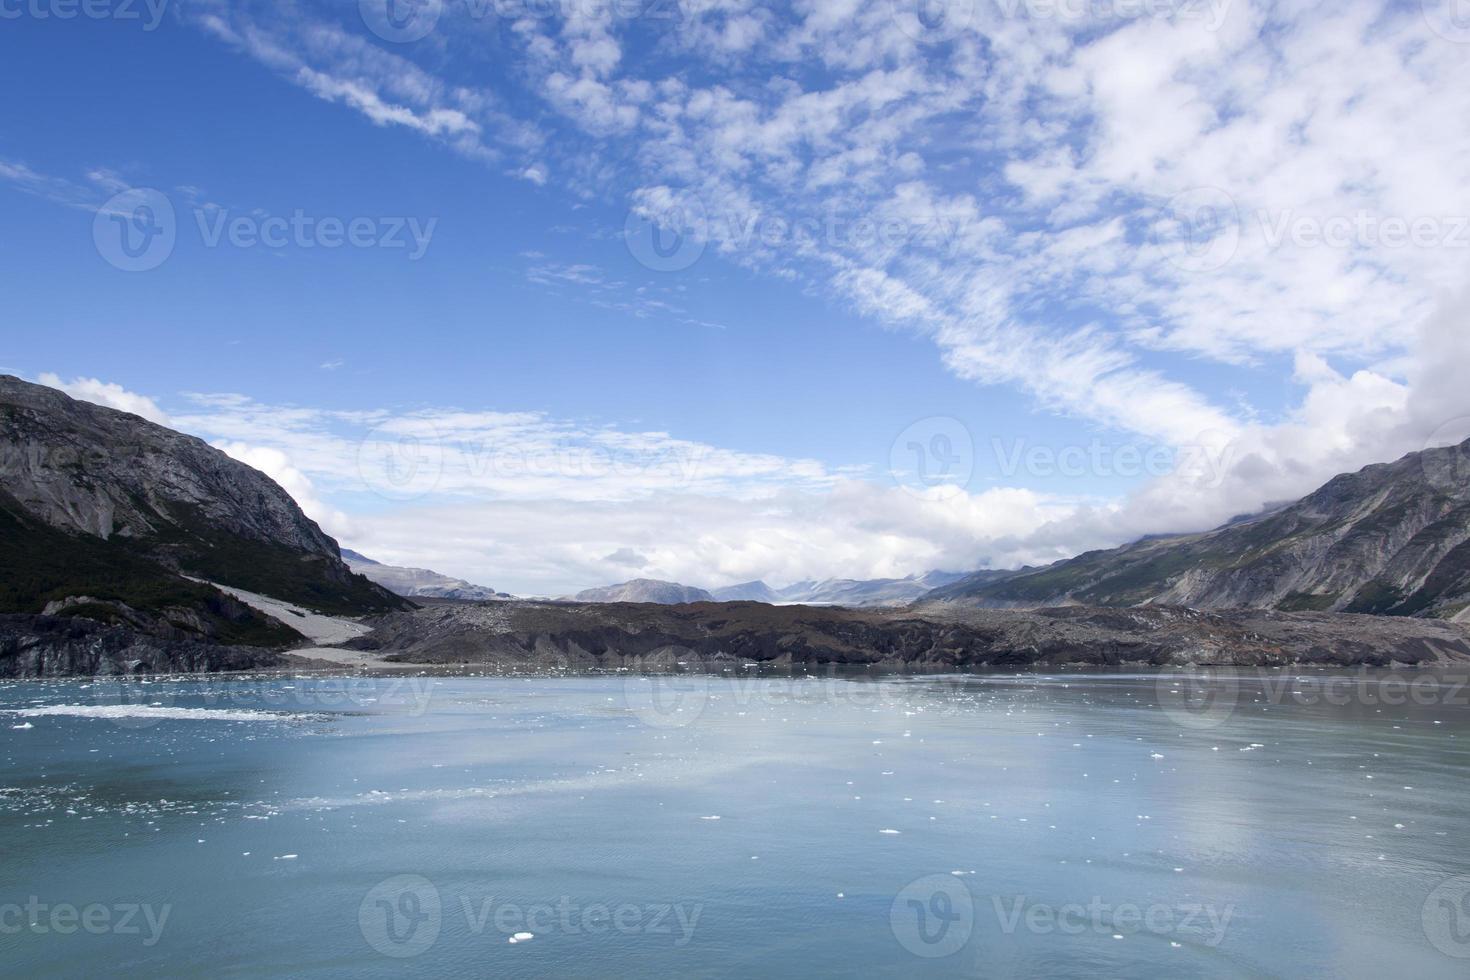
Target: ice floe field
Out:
[1071,824]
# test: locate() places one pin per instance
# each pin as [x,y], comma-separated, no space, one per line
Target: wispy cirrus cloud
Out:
[1116,216]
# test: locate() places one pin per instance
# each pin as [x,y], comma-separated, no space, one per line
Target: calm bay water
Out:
[1076,824]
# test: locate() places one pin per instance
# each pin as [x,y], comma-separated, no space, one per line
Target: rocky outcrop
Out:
[83,467]
[103,503]
[538,634]
[61,646]
[1390,539]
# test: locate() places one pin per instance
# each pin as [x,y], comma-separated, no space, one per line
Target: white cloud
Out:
[108,394]
[857,529]
[1063,161]
[277,465]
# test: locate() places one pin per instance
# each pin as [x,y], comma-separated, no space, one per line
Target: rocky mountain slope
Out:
[747,592]
[417,583]
[644,590]
[562,635]
[107,516]
[1392,538]
[52,646]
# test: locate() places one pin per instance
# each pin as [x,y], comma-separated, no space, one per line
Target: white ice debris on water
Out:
[150,711]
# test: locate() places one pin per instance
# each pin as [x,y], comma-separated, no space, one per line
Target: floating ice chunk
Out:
[710,818]
[522,937]
[285,857]
[889,830]
[22,726]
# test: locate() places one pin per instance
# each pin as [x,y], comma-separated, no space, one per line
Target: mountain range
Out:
[842,591]
[644,590]
[127,546]
[826,592]
[418,583]
[1391,539]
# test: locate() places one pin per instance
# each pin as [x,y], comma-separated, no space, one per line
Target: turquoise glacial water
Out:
[1075,824]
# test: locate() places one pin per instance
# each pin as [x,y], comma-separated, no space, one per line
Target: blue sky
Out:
[1096,239]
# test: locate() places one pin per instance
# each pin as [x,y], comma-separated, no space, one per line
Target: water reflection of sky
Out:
[1319,826]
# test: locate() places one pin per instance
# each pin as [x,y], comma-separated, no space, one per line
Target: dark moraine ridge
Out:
[537,634]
